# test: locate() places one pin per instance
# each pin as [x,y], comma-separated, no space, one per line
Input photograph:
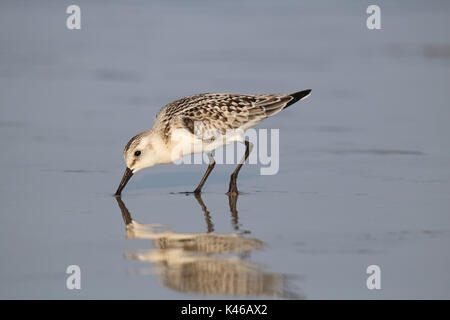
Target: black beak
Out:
[126,176]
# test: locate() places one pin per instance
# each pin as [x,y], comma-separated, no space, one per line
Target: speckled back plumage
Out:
[219,111]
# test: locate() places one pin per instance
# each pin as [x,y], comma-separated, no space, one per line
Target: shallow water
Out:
[364,162]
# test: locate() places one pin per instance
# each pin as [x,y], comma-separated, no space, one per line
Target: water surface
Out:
[364,162]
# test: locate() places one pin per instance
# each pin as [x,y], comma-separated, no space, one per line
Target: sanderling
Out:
[182,127]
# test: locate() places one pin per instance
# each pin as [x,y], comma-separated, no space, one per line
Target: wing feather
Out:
[220,112]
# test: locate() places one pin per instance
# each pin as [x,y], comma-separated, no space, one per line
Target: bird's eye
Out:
[137,153]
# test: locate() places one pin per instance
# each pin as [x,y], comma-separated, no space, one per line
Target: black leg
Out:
[211,165]
[233,188]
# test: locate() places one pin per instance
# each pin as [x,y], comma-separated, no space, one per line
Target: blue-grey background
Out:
[364,162]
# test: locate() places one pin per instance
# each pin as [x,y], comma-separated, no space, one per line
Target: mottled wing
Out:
[220,112]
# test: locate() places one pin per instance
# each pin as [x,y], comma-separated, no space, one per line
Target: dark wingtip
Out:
[298,96]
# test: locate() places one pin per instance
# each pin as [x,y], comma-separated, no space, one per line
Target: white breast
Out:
[183,142]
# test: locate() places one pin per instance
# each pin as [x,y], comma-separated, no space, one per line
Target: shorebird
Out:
[202,123]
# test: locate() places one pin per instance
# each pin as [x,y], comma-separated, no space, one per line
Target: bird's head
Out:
[139,153]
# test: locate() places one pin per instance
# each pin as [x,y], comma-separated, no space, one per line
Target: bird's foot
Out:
[196,192]
[232,190]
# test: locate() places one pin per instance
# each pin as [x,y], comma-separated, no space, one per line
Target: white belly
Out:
[184,143]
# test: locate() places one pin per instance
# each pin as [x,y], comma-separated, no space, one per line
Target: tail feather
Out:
[297,96]
[273,103]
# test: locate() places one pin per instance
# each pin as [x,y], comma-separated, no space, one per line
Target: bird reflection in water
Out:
[205,263]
